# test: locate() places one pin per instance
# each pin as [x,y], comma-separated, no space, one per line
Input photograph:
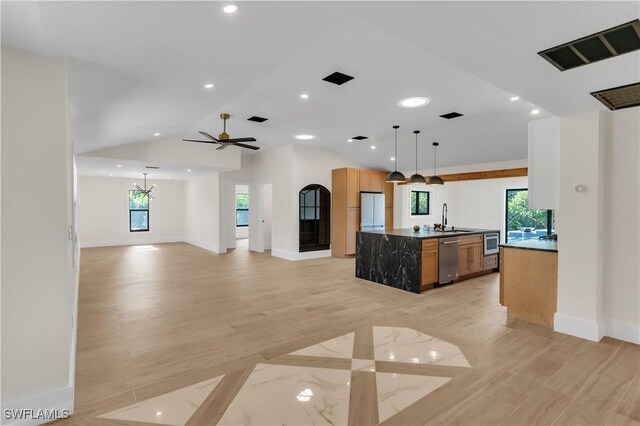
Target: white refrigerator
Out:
[371,211]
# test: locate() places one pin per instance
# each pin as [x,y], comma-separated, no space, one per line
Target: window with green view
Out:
[419,203]
[523,223]
[242,209]
[138,211]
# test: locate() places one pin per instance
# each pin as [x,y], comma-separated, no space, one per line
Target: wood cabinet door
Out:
[377,181]
[365,180]
[353,188]
[353,225]
[463,260]
[429,262]
[501,276]
[476,260]
[388,218]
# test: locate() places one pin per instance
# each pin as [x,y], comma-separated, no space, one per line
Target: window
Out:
[138,211]
[523,223]
[315,214]
[419,203]
[242,209]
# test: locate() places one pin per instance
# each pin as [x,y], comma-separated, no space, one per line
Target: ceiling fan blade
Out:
[223,146]
[209,136]
[241,145]
[241,140]
[193,140]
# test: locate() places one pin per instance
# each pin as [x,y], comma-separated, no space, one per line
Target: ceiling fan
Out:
[224,140]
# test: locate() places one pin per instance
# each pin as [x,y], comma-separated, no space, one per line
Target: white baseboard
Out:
[205,245]
[267,246]
[622,330]
[578,327]
[146,239]
[41,406]
[291,255]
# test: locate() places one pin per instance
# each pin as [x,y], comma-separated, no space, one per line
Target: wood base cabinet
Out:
[346,186]
[470,255]
[429,266]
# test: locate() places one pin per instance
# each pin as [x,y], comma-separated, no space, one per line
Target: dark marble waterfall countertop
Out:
[422,234]
[393,257]
[533,244]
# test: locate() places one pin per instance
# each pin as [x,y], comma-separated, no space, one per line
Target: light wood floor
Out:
[155,319]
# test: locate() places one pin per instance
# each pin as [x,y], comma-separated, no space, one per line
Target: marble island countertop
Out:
[533,244]
[422,234]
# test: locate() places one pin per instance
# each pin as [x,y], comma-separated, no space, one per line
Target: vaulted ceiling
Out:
[139,68]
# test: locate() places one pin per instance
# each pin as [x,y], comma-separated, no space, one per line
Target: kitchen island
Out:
[410,260]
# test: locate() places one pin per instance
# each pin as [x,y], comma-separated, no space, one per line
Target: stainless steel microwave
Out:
[491,243]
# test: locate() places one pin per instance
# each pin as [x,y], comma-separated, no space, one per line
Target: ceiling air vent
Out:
[152,167]
[338,78]
[619,97]
[360,138]
[595,47]
[451,115]
[257,119]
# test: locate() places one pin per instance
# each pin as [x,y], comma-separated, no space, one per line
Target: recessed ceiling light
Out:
[514,98]
[349,140]
[304,96]
[189,170]
[373,147]
[118,165]
[168,177]
[110,174]
[156,134]
[208,86]
[413,102]
[158,413]
[304,137]
[535,111]
[392,158]
[230,8]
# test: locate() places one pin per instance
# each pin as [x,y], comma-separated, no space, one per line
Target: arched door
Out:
[315,218]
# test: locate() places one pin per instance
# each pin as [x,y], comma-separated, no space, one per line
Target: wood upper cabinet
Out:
[376,180]
[429,273]
[346,186]
[353,225]
[365,180]
[353,188]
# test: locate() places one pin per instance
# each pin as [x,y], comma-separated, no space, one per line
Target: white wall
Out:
[580,224]
[104,212]
[203,221]
[288,169]
[38,285]
[470,204]
[621,298]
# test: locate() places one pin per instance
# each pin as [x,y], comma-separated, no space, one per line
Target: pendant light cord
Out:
[416,152]
[435,160]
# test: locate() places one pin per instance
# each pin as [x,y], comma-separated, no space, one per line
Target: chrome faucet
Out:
[445,213]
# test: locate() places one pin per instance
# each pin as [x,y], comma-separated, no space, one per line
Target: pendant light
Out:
[435,179]
[416,179]
[396,176]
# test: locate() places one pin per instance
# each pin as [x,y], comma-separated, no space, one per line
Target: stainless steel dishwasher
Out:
[448,260]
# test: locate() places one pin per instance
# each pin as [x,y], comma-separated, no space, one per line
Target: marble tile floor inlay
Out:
[279,394]
[399,344]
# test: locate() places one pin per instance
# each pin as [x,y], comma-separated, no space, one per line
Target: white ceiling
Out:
[137,68]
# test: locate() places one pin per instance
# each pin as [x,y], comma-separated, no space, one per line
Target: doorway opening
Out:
[242,214]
